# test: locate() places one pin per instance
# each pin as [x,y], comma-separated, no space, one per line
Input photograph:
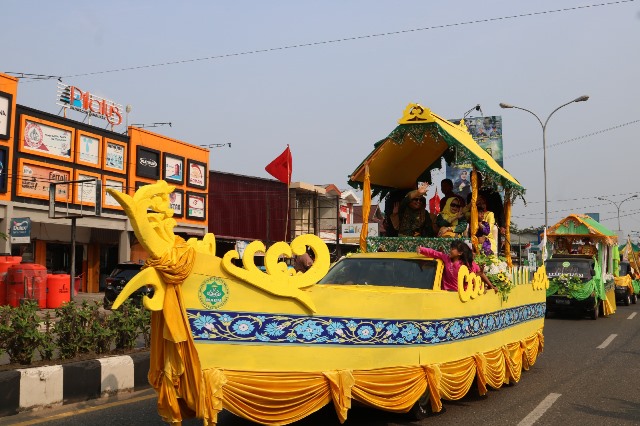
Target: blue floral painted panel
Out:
[245,327]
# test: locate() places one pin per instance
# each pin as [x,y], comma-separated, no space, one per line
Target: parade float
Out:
[582,267]
[628,279]
[274,346]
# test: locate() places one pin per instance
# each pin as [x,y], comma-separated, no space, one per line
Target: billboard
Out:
[351,232]
[487,132]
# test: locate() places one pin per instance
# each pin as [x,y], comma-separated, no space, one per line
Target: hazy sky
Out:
[331,78]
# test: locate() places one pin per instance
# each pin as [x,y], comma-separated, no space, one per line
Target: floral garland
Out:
[496,270]
[609,281]
[566,284]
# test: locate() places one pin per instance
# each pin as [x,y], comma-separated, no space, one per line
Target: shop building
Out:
[39,150]
[247,208]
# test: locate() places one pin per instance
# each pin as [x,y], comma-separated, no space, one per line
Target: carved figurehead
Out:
[174,261]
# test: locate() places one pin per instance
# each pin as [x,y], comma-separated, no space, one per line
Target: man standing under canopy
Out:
[446,186]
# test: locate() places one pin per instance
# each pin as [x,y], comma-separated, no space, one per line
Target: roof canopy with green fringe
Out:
[576,226]
[628,247]
[415,148]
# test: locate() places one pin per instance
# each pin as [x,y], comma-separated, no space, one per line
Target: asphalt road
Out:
[588,374]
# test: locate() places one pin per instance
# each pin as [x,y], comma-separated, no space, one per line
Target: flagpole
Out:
[366,207]
[286,227]
[633,254]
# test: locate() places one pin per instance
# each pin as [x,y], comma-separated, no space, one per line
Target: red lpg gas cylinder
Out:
[27,281]
[58,290]
[5,262]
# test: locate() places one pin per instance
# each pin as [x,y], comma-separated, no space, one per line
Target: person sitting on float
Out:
[587,247]
[451,221]
[562,246]
[487,232]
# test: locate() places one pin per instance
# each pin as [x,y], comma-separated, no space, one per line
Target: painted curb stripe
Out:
[81,381]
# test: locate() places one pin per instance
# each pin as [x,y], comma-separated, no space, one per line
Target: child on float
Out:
[459,254]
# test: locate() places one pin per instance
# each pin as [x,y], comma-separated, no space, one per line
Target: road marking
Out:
[75,412]
[607,341]
[537,412]
[632,315]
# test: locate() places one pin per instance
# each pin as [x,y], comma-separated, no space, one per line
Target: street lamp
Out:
[618,206]
[544,143]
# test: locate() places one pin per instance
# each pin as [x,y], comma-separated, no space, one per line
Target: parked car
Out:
[574,266]
[118,278]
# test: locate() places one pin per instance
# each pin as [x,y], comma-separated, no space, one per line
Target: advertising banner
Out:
[114,158]
[487,132]
[148,163]
[196,204]
[20,230]
[35,181]
[45,139]
[351,232]
[176,202]
[6,101]
[117,185]
[197,174]
[89,151]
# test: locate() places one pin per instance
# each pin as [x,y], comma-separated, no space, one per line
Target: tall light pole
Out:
[617,207]
[544,144]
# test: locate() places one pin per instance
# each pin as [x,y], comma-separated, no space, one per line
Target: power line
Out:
[575,139]
[354,38]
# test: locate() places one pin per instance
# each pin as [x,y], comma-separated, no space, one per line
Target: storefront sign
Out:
[173,168]
[86,191]
[6,100]
[35,181]
[351,232]
[196,206]
[116,185]
[89,150]
[78,100]
[176,202]
[20,230]
[47,140]
[147,162]
[197,175]
[114,158]
[4,155]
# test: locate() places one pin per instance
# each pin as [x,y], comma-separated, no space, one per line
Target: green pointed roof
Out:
[580,226]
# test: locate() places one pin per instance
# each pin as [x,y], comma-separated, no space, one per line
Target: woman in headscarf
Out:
[451,221]
[487,229]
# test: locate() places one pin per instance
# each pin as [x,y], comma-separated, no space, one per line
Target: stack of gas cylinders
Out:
[22,281]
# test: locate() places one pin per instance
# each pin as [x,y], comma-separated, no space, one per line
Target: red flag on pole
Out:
[434,203]
[280,168]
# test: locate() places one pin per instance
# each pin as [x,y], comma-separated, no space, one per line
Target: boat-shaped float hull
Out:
[274,347]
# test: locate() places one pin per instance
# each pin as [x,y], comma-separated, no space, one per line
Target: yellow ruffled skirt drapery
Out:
[286,397]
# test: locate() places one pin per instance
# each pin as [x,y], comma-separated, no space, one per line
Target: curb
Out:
[33,388]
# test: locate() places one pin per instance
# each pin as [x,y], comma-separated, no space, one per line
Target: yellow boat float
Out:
[275,346]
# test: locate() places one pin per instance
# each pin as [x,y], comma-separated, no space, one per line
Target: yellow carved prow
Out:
[278,279]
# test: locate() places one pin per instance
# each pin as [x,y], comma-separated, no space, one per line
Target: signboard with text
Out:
[20,230]
[351,232]
[83,101]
